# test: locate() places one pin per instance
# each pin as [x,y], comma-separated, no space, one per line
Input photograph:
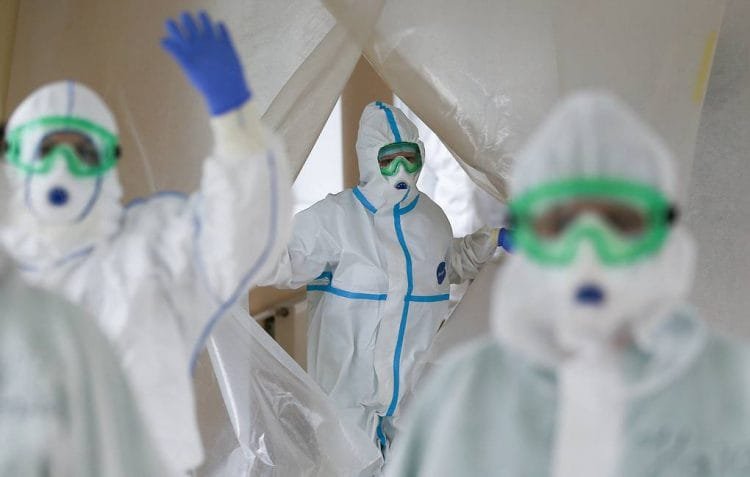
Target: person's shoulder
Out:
[724,369]
[722,360]
[329,203]
[426,202]
[729,352]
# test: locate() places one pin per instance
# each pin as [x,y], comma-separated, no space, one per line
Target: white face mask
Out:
[592,301]
[58,197]
[587,303]
[403,180]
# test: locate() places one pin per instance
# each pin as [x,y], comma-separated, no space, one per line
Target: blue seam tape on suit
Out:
[346,293]
[361,197]
[381,434]
[428,298]
[404,313]
[391,121]
[375,296]
[409,207]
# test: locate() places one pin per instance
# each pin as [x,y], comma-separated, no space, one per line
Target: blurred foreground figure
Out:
[157,274]
[597,367]
[65,407]
[379,259]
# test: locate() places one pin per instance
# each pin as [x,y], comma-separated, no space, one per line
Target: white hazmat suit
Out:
[379,261]
[623,381]
[158,273]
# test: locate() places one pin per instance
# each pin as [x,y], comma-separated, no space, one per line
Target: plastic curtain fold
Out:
[283,422]
[483,77]
[300,109]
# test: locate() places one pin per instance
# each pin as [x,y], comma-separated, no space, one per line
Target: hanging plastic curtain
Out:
[483,77]
[283,422]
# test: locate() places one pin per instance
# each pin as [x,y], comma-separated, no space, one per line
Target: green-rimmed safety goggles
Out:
[624,221]
[88,149]
[403,154]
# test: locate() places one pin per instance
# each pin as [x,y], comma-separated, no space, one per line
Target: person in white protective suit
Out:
[379,260]
[160,272]
[65,406]
[597,367]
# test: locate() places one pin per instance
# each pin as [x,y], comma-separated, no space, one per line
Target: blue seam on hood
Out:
[71,98]
[92,200]
[391,121]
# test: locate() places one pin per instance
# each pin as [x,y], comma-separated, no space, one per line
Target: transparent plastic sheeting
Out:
[483,77]
[283,422]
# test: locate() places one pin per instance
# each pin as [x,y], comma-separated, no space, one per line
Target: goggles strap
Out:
[673,214]
[3,142]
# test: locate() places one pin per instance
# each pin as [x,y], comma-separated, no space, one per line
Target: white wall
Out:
[323,173]
[718,209]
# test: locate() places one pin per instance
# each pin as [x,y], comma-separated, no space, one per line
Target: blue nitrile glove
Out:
[504,240]
[205,52]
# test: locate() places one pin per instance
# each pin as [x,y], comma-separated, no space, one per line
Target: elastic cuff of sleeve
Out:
[239,131]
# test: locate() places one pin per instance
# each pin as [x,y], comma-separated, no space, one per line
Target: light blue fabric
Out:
[65,405]
[205,52]
[391,121]
[491,411]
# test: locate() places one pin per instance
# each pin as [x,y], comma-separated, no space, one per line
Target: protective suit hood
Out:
[591,135]
[37,231]
[382,124]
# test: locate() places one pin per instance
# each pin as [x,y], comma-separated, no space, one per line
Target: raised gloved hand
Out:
[205,52]
[504,240]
